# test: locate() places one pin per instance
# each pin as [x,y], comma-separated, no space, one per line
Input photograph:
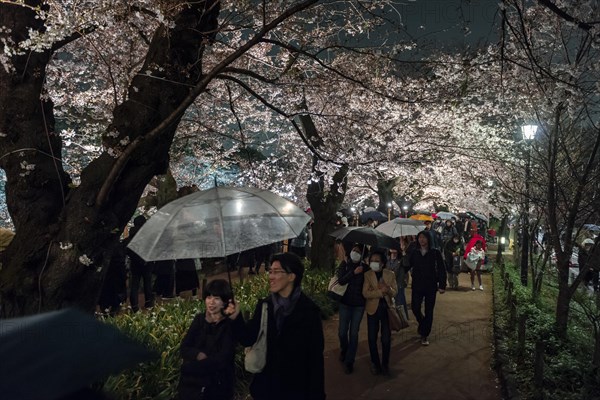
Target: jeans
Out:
[350,318]
[374,322]
[425,320]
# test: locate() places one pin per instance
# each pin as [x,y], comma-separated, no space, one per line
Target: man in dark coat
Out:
[295,342]
[428,277]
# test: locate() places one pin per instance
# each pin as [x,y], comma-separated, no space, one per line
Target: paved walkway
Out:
[456,365]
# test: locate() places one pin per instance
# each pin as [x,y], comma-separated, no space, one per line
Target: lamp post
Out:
[528,132]
[354,216]
[405,208]
[389,211]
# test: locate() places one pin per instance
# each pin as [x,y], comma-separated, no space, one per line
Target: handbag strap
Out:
[264,317]
[390,301]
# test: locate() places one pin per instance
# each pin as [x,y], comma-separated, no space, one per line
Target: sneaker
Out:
[480,287]
[472,287]
[424,341]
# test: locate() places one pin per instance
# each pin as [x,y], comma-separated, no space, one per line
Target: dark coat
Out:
[353,296]
[428,271]
[295,366]
[216,372]
[449,248]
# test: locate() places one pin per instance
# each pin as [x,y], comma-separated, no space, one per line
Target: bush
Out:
[163,328]
[567,364]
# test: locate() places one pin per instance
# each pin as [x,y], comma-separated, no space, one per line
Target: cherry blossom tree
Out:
[550,55]
[149,61]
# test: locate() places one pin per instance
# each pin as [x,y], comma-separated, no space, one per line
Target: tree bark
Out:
[325,200]
[63,240]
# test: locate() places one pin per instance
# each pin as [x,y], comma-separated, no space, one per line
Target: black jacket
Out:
[428,271]
[216,372]
[295,365]
[353,296]
[449,248]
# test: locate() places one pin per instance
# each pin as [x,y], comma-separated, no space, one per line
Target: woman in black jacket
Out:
[428,277]
[208,349]
[295,342]
[351,272]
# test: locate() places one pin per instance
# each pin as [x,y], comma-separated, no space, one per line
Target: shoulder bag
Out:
[396,317]
[256,356]
[334,290]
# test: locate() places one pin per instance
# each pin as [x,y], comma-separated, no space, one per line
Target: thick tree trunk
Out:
[64,240]
[324,202]
[385,193]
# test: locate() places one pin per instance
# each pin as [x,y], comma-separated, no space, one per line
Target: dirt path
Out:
[456,365]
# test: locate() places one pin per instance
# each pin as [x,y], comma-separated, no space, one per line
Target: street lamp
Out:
[405,208]
[528,132]
[389,211]
[354,216]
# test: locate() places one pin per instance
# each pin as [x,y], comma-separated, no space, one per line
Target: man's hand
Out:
[442,291]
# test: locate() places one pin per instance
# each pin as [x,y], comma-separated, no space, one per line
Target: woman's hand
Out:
[201,356]
[232,310]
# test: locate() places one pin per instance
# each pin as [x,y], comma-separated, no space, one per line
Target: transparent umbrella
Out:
[218,222]
[401,227]
[446,215]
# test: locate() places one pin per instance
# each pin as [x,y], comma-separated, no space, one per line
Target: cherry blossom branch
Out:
[194,93]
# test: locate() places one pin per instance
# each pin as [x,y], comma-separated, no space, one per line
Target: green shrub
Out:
[567,364]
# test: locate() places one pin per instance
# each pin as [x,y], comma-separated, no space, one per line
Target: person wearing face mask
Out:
[428,277]
[352,305]
[379,282]
[452,251]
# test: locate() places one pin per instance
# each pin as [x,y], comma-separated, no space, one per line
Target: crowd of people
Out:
[376,279]
[432,261]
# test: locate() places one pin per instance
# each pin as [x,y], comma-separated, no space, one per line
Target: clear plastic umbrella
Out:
[445,215]
[401,227]
[218,222]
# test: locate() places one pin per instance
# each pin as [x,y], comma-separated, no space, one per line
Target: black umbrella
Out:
[374,215]
[51,355]
[366,235]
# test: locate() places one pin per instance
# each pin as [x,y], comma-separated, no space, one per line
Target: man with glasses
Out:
[295,343]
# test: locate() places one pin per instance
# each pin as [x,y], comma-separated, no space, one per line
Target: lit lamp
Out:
[389,211]
[528,132]
[405,208]
[354,216]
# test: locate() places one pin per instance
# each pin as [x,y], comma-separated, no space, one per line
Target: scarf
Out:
[284,306]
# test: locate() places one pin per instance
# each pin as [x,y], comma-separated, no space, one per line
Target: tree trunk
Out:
[500,235]
[563,299]
[324,202]
[63,240]
[385,192]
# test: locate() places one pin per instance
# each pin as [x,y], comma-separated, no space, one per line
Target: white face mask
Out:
[355,256]
[375,266]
